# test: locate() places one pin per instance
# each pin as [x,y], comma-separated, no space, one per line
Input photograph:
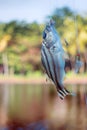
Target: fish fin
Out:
[73,94]
[64,92]
[69,93]
[60,95]
[47,78]
[65,56]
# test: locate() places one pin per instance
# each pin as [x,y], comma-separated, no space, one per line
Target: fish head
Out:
[48,34]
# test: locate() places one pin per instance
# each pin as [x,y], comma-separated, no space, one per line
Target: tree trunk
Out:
[5,63]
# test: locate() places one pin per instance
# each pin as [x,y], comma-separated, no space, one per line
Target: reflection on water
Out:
[39,108]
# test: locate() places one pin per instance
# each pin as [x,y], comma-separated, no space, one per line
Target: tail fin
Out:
[64,92]
[70,93]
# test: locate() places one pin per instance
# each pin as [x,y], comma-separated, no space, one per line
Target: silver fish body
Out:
[52,56]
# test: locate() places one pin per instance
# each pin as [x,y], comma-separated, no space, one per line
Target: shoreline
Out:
[40,80]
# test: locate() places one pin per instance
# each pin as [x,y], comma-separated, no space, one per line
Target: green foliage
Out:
[23,46]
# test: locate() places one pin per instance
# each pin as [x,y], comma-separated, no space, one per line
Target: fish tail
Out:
[60,95]
[64,92]
[70,93]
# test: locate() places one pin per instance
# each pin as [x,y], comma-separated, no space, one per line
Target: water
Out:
[28,107]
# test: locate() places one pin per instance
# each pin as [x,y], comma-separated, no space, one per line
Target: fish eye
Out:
[44,35]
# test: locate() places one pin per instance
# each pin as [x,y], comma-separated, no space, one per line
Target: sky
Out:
[36,10]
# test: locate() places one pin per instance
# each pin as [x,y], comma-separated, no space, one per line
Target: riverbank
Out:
[71,78]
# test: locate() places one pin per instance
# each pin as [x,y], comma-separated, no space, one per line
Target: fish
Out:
[52,58]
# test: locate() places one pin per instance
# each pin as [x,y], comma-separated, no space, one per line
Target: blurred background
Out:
[26,99]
